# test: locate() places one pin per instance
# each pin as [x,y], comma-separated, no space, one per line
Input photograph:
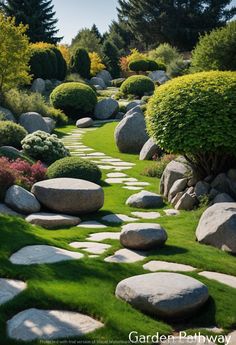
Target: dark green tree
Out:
[111,58]
[38,14]
[95,30]
[81,63]
[177,22]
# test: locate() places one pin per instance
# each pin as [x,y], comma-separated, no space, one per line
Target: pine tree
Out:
[111,58]
[95,30]
[38,15]
[177,22]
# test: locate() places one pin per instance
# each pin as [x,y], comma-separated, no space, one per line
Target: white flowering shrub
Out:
[44,147]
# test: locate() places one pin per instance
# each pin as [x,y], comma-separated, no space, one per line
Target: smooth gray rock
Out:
[136,109]
[50,123]
[8,211]
[69,196]
[145,199]
[149,149]
[21,200]
[217,226]
[134,104]
[175,170]
[130,134]
[178,186]
[52,220]
[222,197]
[186,202]
[106,108]
[142,236]
[33,122]
[98,81]
[38,85]
[98,87]
[202,188]
[85,122]
[32,324]
[10,288]
[168,295]
[42,254]
[7,114]
[106,76]
[126,256]
[224,184]
[159,76]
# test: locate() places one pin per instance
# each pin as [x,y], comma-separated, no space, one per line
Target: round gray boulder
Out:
[106,108]
[50,123]
[98,81]
[217,226]
[7,114]
[69,196]
[106,76]
[85,122]
[33,122]
[21,200]
[38,85]
[145,199]
[167,295]
[142,236]
[149,149]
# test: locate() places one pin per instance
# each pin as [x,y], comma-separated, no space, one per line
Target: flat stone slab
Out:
[42,254]
[122,168]
[220,277]
[118,218]
[155,265]
[92,224]
[120,180]
[91,247]
[101,236]
[137,184]
[172,212]
[34,324]
[146,215]
[105,167]
[118,164]
[52,220]
[166,295]
[115,175]
[132,188]
[111,160]
[126,256]
[10,288]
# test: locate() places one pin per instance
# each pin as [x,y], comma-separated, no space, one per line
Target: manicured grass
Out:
[88,285]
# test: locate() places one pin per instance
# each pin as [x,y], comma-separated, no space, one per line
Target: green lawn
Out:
[88,285]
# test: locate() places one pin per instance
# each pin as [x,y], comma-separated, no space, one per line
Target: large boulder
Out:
[33,122]
[145,199]
[38,85]
[142,236]
[149,149]
[133,104]
[167,295]
[52,220]
[106,76]
[21,200]
[136,109]
[69,196]
[106,108]
[5,210]
[51,124]
[7,114]
[177,187]
[85,122]
[130,134]
[175,170]
[159,76]
[98,81]
[217,226]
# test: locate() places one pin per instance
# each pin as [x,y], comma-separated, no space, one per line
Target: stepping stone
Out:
[142,236]
[126,256]
[84,150]
[137,184]
[32,324]
[171,212]
[42,254]
[10,288]
[96,154]
[132,188]
[155,265]
[115,175]
[109,160]
[122,164]
[105,167]
[101,236]
[165,295]
[93,256]
[91,247]
[92,224]
[52,220]
[220,277]
[145,199]
[119,180]
[146,215]
[118,218]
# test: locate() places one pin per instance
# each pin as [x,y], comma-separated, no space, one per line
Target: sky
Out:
[74,15]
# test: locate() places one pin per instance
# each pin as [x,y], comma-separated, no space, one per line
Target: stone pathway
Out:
[118,218]
[220,277]
[10,288]
[91,247]
[167,266]
[101,236]
[92,224]
[126,256]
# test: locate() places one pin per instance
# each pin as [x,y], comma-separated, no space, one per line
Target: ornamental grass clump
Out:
[194,116]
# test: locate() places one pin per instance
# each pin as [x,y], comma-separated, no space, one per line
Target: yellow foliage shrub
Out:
[96,63]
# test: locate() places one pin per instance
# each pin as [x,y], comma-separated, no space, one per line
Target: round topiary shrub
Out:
[11,134]
[74,99]
[81,63]
[75,167]
[194,116]
[44,147]
[139,65]
[152,65]
[137,85]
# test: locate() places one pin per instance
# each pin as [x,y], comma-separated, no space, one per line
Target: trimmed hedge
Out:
[137,85]
[11,134]
[194,115]
[75,167]
[74,99]
[81,63]
[143,65]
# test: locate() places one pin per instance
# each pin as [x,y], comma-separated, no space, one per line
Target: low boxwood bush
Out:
[11,134]
[75,99]
[137,85]
[194,116]
[216,50]
[143,65]
[75,167]
[44,147]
